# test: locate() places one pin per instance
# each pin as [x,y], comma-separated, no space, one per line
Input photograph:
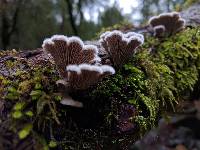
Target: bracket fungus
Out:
[77,63]
[119,46]
[66,51]
[166,24]
[159,31]
[81,76]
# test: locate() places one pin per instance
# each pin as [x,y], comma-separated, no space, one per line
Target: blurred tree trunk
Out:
[79,5]
[9,21]
[62,25]
[5,24]
[71,16]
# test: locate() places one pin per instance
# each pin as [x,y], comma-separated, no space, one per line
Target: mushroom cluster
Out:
[83,65]
[119,46]
[83,75]
[66,51]
[78,64]
[166,24]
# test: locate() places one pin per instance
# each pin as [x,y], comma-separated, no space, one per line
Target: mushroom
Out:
[78,65]
[166,24]
[120,47]
[82,76]
[66,51]
[159,31]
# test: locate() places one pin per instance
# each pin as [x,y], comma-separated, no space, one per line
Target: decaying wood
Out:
[23,54]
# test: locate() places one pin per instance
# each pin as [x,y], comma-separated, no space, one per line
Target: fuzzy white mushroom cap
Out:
[70,50]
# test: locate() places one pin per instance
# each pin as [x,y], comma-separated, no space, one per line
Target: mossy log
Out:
[162,74]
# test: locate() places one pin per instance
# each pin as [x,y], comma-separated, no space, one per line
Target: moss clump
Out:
[27,93]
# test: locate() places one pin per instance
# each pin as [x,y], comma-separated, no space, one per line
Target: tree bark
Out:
[71,16]
[80,10]
[9,26]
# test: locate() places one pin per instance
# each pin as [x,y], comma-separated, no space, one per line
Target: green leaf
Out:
[11,96]
[12,90]
[35,94]
[19,106]
[25,131]
[17,114]
[52,144]
[58,98]
[38,86]
[29,113]
[132,101]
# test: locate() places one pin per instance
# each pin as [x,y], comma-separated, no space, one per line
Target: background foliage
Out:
[25,23]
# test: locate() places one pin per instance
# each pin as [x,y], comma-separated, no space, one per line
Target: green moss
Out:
[10,64]
[25,86]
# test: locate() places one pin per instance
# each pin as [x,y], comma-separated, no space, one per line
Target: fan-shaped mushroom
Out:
[70,50]
[119,46]
[170,23]
[77,63]
[82,76]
